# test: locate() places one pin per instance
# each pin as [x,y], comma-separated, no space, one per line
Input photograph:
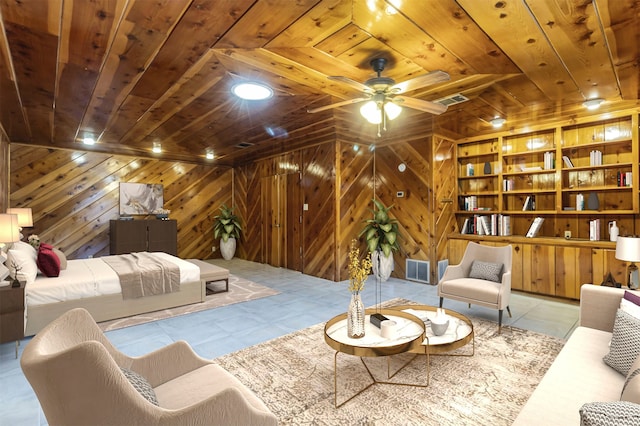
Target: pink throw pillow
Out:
[48,262]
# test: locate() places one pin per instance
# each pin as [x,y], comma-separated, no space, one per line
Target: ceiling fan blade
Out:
[424,80]
[338,104]
[419,104]
[356,85]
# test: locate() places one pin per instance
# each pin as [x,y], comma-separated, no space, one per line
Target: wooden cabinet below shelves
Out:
[550,266]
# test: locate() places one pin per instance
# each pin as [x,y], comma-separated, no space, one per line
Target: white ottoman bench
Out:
[211,273]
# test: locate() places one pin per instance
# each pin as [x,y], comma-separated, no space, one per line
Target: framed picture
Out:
[140,198]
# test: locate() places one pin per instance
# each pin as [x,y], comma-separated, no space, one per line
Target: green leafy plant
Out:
[226,224]
[381,232]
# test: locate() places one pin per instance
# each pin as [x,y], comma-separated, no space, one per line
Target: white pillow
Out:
[630,308]
[26,248]
[27,265]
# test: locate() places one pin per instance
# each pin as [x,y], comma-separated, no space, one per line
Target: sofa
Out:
[578,379]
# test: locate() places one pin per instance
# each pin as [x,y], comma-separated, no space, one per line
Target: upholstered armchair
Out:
[483,277]
[80,378]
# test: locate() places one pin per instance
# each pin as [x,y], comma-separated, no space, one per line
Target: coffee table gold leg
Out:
[335,382]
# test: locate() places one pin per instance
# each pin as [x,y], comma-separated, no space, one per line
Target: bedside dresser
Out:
[12,314]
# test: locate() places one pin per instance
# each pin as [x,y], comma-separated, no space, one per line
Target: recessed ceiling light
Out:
[157,147]
[209,154]
[593,103]
[252,91]
[88,141]
[498,122]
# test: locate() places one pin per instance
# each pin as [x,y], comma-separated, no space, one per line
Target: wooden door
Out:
[274,201]
[538,272]
[573,268]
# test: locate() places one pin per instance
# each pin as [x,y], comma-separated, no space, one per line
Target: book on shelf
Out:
[465,227]
[494,224]
[594,230]
[567,162]
[534,229]
[529,203]
[549,160]
[595,158]
[625,178]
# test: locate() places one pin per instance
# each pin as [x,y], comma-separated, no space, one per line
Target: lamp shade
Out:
[25,217]
[628,249]
[9,228]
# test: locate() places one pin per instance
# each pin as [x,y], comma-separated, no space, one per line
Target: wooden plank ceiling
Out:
[132,72]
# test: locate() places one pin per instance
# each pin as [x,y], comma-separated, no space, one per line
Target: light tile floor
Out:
[303,301]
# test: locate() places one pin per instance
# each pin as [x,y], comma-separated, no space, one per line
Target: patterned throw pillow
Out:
[141,385]
[625,342]
[486,271]
[616,413]
[631,388]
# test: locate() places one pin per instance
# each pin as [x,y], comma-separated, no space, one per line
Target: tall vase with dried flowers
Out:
[358,272]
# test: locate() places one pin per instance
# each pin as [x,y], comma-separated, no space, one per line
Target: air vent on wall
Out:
[453,99]
[418,270]
[244,145]
[442,266]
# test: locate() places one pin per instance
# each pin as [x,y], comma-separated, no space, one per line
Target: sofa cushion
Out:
[625,342]
[577,375]
[141,385]
[616,413]
[631,388]
[486,271]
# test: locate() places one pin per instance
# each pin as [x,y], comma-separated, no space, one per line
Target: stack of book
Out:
[495,224]
[594,230]
[549,160]
[625,179]
[595,158]
[529,203]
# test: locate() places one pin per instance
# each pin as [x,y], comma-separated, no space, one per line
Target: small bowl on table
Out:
[439,327]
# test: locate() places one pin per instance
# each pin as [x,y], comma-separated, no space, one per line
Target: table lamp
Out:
[628,249]
[25,217]
[9,234]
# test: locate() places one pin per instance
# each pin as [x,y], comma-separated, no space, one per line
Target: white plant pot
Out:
[383,272]
[228,249]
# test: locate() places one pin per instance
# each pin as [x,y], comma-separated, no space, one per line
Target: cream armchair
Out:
[78,378]
[483,277]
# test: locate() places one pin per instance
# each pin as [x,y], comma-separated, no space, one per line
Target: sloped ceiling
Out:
[132,72]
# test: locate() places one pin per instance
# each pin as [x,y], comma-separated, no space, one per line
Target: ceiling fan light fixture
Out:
[592,104]
[369,110]
[208,154]
[392,110]
[157,148]
[88,141]
[497,122]
[252,91]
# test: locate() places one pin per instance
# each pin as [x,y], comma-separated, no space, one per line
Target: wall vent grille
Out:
[442,265]
[418,270]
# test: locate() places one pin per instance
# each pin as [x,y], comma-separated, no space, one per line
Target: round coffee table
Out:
[409,336]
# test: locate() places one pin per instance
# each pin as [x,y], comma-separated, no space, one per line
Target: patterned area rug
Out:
[294,376]
[240,290]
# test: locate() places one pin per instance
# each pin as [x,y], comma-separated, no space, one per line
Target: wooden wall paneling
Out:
[74,195]
[319,227]
[517,263]
[538,269]
[294,259]
[444,190]
[413,211]
[354,192]
[604,262]
[249,179]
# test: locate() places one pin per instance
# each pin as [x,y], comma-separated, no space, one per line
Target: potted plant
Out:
[381,235]
[226,226]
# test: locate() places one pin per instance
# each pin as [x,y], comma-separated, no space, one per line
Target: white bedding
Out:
[89,278]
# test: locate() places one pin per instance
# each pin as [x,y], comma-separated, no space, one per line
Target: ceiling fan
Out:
[383,94]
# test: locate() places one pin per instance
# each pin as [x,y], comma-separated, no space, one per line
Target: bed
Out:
[92,284]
